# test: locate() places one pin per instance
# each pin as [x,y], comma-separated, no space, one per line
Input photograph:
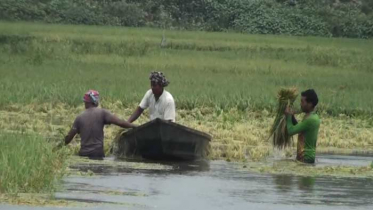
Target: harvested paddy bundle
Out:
[281,138]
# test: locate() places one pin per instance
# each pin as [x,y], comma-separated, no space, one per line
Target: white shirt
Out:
[164,108]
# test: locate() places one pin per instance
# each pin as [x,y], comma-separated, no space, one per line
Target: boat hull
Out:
[163,140]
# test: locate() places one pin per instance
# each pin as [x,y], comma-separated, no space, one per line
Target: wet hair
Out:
[311,97]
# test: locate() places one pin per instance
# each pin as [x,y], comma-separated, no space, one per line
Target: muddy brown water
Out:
[212,185]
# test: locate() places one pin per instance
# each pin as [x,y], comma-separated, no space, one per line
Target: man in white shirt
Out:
[160,102]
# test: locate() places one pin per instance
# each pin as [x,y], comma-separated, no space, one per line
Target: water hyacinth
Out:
[279,134]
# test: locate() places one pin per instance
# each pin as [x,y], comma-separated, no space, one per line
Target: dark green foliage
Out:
[267,17]
[343,18]
[126,14]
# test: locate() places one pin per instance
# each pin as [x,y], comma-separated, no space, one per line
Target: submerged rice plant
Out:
[281,138]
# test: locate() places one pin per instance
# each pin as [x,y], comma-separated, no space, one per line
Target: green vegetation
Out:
[224,84]
[56,64]
[287,167]
[237,135]
[28,164]
[281,138]
[32,199]
[338,18]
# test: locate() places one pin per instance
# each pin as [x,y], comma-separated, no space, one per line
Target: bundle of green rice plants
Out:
[281,138]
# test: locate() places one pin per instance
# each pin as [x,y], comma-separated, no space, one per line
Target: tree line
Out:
[329,18]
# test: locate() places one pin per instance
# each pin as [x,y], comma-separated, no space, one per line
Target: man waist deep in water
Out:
[90,125]
[308,129]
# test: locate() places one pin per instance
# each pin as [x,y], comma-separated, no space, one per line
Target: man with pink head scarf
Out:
[90,125]
[92,96]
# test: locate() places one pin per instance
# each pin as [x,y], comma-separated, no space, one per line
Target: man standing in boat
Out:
[160,102]
[90,125]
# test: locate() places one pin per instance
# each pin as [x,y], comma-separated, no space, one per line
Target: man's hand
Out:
[70,136]
[289,111]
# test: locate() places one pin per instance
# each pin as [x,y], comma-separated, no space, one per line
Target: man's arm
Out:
[73,131]
[136,114]
[144,104]
[289,112]
[169,112]
[70,136]
[122,123]
[295,129]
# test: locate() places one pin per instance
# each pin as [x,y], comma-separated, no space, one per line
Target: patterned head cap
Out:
[159,78]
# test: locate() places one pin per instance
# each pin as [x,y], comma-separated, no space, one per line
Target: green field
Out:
[57,63]
[223,83]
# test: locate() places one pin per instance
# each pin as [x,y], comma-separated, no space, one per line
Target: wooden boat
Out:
[163,140]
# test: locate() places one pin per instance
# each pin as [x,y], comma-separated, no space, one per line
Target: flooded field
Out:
[224,84]
[115,184]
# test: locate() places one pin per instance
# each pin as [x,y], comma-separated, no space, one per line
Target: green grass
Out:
[58,63]
[287,167]
[224,84]
[28,164]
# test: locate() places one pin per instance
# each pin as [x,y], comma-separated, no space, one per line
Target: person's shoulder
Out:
[168,95]
[149,92]
[77,118]
[168,99]
[104,111]
[315,116]
[314,119]
[96,111]
[81,114]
